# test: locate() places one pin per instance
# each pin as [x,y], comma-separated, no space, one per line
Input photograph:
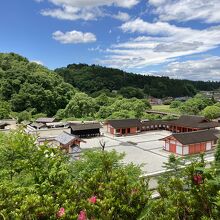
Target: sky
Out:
[175,38]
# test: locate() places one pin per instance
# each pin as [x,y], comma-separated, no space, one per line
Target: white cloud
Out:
[122,16]
[98,48]
[96,3]
[67,12]
[186,10]
[161,42]
[84,9]
[158,28]
[37,61]
[203,69]
[74,37]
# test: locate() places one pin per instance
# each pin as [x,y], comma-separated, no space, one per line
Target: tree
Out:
[217,153]
[194,105]
[131,92]
[211,112]
[5,109]
[43,183]
[80,106]
[175,104]
[28,85]
[189,194]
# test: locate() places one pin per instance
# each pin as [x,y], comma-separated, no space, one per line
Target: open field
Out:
[142,149]
[165,108]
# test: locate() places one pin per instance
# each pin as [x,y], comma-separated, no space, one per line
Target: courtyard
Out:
[144,149]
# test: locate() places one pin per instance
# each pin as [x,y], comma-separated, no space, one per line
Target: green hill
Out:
[27,85]
[91,79]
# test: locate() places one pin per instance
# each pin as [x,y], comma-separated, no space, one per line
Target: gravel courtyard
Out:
[144,148]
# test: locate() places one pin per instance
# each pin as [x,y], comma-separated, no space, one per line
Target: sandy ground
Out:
[142,149]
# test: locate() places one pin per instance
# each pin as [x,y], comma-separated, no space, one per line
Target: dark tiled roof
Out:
[198,122]
[192,121]
[37,125]
[66,138]
[57,124]
[195,136]
[86,126]
[124,123]
[45,120]
[154,122]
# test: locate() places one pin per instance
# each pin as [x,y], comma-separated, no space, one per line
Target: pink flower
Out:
[82,216]
[93,199]
[197,179]
[61,212]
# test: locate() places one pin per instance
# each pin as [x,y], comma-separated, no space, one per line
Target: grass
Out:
[165,108]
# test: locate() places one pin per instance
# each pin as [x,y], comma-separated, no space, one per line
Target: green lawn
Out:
[165,108]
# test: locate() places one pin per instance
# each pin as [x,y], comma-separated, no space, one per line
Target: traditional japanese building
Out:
[154,125]
[123,126]
[188,143]
[185,123]
[86,129]
[46,120]
[69,143]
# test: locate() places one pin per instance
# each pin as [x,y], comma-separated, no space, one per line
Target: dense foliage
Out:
[85,107]
[27,85]
[192,192]
[37,182]
[91,79]
[195,105]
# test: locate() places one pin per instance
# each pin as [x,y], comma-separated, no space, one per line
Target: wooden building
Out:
[86,129]
[185,123]
[120,127]
[188,143]
[69,143]
[46,120]
[154,125]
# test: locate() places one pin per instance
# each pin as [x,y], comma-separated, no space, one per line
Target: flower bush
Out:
[37,182]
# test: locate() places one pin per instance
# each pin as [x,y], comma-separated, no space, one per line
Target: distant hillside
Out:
[29,86]
[94,78]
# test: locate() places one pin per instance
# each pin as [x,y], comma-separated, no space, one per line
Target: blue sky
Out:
[176,38]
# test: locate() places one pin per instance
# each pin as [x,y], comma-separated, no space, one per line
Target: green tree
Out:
[131,92]
[5,110]
[80,106]
[194,105]
[211,112]
[217,153]
[40,181]
[175,104]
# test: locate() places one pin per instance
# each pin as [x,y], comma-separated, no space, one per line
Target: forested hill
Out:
[29,86]
[92,79]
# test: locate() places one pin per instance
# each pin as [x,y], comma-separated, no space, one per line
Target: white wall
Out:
[179,149]
[186,150]
[167,146]
[208,146]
